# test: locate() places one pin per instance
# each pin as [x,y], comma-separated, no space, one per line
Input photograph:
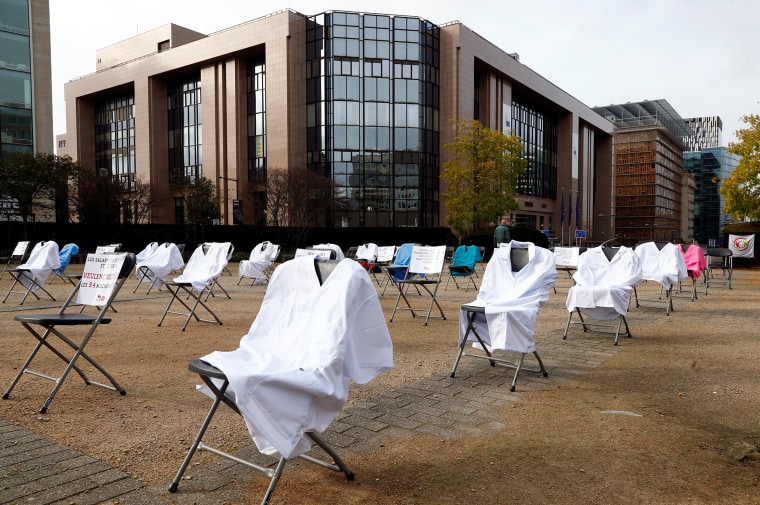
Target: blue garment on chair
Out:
[65,255]
[401,264]
[465,256]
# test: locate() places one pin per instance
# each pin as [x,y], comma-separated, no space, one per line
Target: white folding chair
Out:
[517,282]
[16,257]
[603,287]
[661,262]
[425,269]
[32,274]
[156,266]
[102,278]
[290,376]
[198,279]
[260,263]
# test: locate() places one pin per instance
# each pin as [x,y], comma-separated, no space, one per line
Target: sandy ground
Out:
[690,378]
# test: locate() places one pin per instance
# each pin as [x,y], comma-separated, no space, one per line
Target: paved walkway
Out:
[34,469]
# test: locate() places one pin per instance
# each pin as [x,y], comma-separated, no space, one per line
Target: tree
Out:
[482,175]
[96,199]
[741,190]
[38,182]
[298,197]
[200,201]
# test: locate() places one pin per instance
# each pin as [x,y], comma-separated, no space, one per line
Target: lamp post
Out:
[237,213]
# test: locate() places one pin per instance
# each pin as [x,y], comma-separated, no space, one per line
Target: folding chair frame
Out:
[207,374]
[17,274]
[50,322]
[472,313]
[464,271]
[15,259]
[143,272]
[598,326]
[719,259]
[175,288]
[412,279]
[668,301]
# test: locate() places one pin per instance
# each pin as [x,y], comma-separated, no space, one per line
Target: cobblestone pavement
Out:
[34,469]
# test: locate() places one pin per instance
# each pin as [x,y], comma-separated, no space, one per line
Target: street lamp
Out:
[237,213]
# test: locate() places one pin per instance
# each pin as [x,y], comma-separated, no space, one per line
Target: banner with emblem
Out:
[742,246]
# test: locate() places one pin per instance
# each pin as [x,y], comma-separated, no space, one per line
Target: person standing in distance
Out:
[501,234]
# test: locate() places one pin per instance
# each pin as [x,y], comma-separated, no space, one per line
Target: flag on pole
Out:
[570,210]
[562,210]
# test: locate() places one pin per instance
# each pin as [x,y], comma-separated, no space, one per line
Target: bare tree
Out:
[298,197]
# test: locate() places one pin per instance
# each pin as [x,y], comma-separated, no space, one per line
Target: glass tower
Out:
[16,128]
[710,167]
[373,102]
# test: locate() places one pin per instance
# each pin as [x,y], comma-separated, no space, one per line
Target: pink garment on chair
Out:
[695,260]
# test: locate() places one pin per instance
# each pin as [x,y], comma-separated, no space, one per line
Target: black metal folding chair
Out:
[291,370]
[32,274]
[604,285]
[103,277]
[16,257]
[196,282]
[517,299]
[425,271]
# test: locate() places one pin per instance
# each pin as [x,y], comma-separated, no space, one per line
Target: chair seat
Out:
[460,270]
[70,319]
[202,368]
[480,309]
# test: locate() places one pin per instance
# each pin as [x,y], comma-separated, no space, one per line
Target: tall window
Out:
[115,139]
[257,135]
[538,131]
[373,116]
[185,131]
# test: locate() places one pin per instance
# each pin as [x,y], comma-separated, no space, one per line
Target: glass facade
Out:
[373,101]
[538,131]
[257,135]
[185,131]
[710,167]
[115,139]
[15,78]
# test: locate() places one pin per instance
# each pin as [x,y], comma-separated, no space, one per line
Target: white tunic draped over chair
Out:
[604,286]
[43,259]
[157,265]
[204,267]
[512,299]
[262,256]
[666,266]
[291,373]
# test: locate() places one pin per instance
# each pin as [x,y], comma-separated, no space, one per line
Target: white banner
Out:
[742,246]
[99,277]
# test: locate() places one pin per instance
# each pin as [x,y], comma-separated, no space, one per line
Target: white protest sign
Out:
[322,253]
[105,249]
[20,249]
[566,256]
[99,277]
[427,259]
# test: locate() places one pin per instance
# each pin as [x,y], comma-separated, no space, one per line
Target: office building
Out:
[651,188]
[364,100]
[707,133]
[710,166]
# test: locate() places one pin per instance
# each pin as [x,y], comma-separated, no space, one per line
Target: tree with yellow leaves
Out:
[741,190]
[481,176]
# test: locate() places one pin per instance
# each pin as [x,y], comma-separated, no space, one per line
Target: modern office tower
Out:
[708,132]
[26,120]
[364,101]
[709,166]
[649,175]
